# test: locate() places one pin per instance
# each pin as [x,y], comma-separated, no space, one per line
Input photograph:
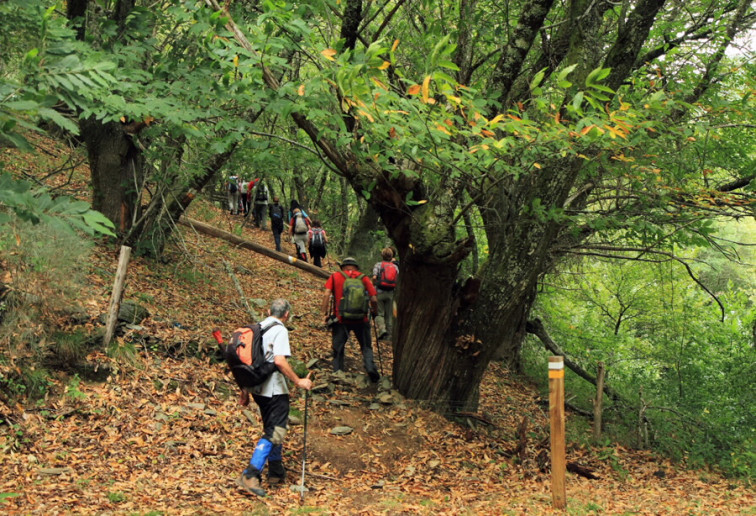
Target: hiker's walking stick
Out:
[377,344]
[304,448]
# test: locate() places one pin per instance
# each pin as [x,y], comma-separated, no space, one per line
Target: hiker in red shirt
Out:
[352,292]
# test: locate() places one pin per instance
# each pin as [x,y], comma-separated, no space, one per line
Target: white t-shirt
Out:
[275,342]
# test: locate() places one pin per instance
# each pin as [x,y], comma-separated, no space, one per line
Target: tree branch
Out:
[536,327]
[643,251]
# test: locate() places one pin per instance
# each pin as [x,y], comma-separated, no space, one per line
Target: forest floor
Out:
[161,431]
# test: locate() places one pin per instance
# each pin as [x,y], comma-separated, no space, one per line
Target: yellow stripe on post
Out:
[556,415]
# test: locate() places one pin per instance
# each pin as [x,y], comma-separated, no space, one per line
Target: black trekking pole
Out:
[377,344]
[302,488]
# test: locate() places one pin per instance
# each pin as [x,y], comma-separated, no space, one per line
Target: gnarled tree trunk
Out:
[117,167]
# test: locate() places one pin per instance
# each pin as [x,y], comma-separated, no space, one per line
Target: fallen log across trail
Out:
[207,229]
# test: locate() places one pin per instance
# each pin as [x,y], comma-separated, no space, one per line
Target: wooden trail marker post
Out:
[556,415]
[115,297]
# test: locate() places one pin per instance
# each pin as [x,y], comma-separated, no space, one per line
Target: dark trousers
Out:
[339,336]
[274,412]
[317,256]
[277,238]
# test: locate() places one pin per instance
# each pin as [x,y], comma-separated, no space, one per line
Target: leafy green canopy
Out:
[414,119]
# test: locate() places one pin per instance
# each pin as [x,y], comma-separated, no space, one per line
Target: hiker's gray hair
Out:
[279,307]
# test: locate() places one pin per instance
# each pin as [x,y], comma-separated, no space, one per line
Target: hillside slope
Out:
[164,434]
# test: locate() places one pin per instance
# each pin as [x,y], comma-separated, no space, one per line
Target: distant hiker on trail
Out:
[250,188]
[276,212]
[272,397]
[232,193]
[261,196]
[317,239]
[294,205]
[244,194]
[385,276]
[352,291]
[299,226]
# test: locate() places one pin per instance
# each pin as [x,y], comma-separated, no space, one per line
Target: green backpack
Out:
[354,299]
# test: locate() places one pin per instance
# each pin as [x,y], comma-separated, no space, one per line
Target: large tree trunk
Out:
[117,167]
[521,250]
[430,362]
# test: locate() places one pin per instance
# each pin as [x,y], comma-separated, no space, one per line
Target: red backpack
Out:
[387,276]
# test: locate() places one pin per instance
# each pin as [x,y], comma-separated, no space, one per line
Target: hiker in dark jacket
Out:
[317,240]
[340,327]
[276,213]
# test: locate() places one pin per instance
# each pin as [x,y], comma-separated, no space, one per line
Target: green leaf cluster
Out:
[17,199]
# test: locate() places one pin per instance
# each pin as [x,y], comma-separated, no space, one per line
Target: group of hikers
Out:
[349,301]
[245,197]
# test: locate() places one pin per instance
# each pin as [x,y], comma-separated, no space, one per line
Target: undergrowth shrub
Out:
[43,277]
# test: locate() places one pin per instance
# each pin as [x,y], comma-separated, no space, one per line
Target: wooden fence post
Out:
[556,415]
[117,294]
[598,402]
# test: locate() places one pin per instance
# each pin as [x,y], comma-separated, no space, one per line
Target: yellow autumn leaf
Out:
[497,118]
[379,83]
[443,129]
[385,65]
[301,90]
[367,115]
[328,53]
[236,61]
[426,88]
[396,44]
[414,89]
[614,132]
[537,165]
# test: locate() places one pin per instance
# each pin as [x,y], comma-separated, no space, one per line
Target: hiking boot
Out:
[276,473]
[251,484]
[275,482]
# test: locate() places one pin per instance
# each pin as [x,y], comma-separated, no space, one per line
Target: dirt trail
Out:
[166,436]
